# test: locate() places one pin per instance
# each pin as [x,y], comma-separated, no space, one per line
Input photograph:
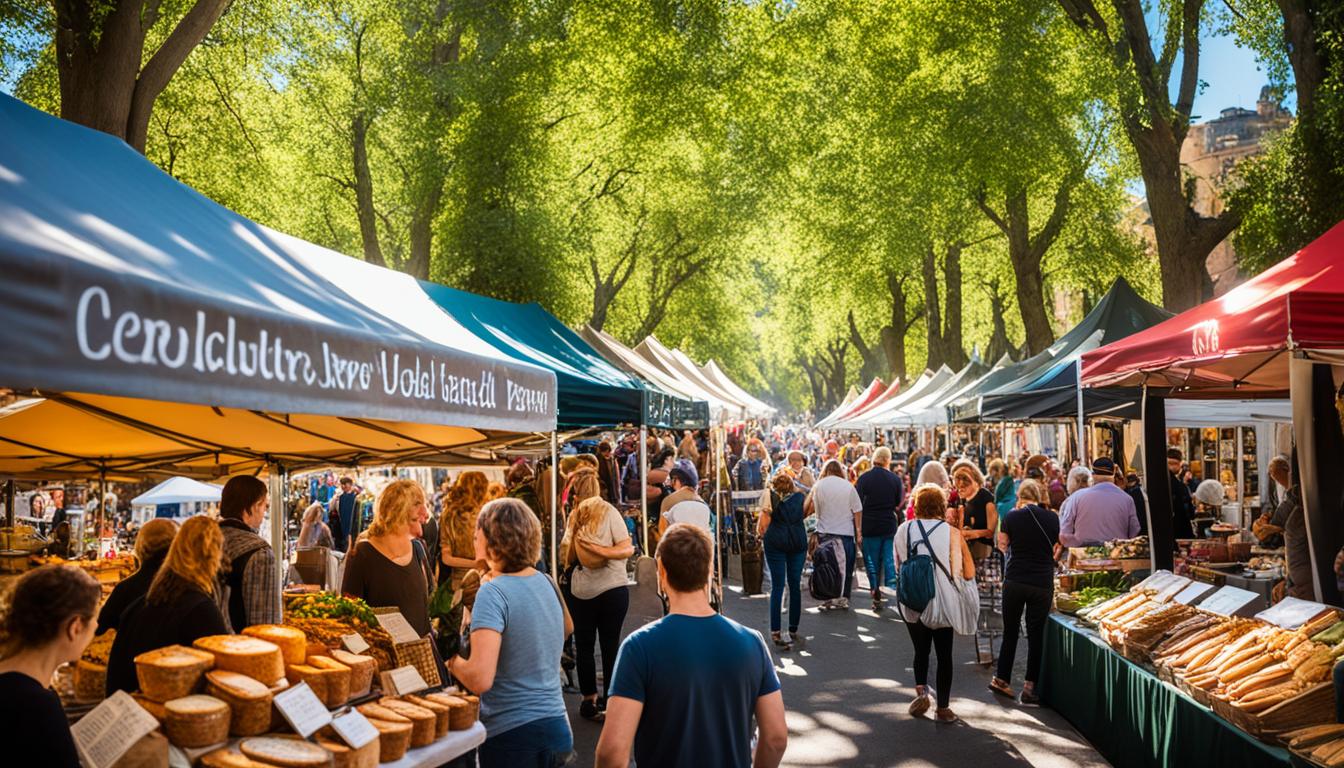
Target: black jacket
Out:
[145,626]
[135,586]
[1182,510]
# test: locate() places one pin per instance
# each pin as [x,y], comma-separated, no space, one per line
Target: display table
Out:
[1131,717]
[450,747]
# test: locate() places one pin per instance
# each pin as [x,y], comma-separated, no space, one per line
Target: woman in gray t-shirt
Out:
[518,629]
[595,549]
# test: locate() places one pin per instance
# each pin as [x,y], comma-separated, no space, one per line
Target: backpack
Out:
[828,570]
[915,586]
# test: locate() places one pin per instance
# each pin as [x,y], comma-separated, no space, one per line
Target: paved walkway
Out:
[847,686]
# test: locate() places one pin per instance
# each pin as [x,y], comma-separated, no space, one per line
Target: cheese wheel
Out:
[440,713]
[345,756]
[229,757]
[90,681]
[382,713]
[293,643]
[338,679]
[288,753]
[171,672]
[362,670]
[394,738]
[423,721]
[314,677]
[196,721]
[151,706]
[249,700]
[258,659]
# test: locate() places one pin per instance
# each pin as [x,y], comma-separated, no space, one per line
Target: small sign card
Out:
[301,708]
[354,643]
[397,626]
[402,680]
[354,728]
[1291,613]
[110,729]
[1229,600]
[1193,592]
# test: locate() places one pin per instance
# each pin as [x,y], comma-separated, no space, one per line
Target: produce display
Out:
[1072,602]
[328,605]
[1121,549]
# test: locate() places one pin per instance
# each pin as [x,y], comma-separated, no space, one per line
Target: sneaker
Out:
[920,705]
[1029,697]
[781,642]
[826,605]
[795,638]
[842,603]
[588,711]
[1001,687]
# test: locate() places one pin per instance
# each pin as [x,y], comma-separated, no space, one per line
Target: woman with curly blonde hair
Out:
[457,526]
[391,567]
[182,604]
[594,552]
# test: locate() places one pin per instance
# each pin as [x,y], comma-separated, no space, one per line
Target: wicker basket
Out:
[1314,706]
[419,654]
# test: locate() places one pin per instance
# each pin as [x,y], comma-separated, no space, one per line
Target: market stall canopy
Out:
[591,392]
[756,407]
[931,410]
[675,364]
[930,382]
[1047,388]
[966,406]
[1214,413]
[893,390]
[684,407]
[138,311]
[869,394]
[179,490]
[1239,344]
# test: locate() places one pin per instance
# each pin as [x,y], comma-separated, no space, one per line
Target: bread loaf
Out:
[258,659]
[287,753]
[462,709]
[314,677]
[394,738]
[154,708]
[90,681]
[229,757]
[362,670]
[338,679]
[293,643]
[345,756]
[440,713]
[196,721]
[422,720]
[172,672]
[248,699]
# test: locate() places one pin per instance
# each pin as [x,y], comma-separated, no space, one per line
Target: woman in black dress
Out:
[49,622]
[390,568]
[151,549]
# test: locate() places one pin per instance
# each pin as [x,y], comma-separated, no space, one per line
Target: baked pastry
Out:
[287,753]
[258,659]
[196,721]
[394,738]
[382,713]
[362,670]
[440,713]
[171,672]
[293,643]
[338,679]
[248,699]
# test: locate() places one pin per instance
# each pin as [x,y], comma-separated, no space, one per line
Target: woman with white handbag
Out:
[954,605]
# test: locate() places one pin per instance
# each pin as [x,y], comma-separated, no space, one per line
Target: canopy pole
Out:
[644,486]
[276,477]
[1082,425]
[716,445]
[9,502]
[555,499]
[1157,481]
[102,512]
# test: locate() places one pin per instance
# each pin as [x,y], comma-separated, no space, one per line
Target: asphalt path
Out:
[848,684]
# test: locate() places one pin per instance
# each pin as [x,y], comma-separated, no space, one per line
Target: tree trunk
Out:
[998,340]
[422,231]
[871,356]
[953,352]
[933,324]
[893,335]
[364,211]
[1026,254]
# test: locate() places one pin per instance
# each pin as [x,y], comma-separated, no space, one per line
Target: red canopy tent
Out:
[872,392]
[1239,344]
[1279,333]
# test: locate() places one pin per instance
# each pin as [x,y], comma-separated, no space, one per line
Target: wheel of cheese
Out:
[90,681]
[344,756]
[423,721]
[258,659]
[196,721]
[293,643]
[171,672]
[287,753]
[314,677]
[338,679]
[461,711]
[440,713]
[229,757]
[394,738]
[362,670]
[248,699]
[382,713]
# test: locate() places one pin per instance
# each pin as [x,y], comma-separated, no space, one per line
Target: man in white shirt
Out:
[684,504]
[839,513]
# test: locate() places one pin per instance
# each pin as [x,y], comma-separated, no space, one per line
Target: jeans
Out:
[941,640]
[848,543]
[879,558]
[538,744]
[598,621]
[1036,600]
[1339,692]
[785,567]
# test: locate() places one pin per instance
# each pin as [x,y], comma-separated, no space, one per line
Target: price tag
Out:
[110,729]
[402,680]
[1229,600]
[397,626]
[1291,613]
[301,708]
[355,729]
[354,643]
[1192,593]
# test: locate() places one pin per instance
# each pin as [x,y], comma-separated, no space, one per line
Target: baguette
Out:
[1314,735]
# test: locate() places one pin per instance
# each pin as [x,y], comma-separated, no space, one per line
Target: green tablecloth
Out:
[1131,717]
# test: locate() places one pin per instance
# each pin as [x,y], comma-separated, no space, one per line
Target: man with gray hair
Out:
[881,494]
[1101,513]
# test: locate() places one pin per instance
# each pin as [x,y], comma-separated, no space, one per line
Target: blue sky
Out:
[1234,79]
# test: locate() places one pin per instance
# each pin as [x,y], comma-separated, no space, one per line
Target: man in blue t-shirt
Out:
[686,686]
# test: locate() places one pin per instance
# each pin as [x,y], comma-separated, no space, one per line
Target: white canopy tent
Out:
[174,490]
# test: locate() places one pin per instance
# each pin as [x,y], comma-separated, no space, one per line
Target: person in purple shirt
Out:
[1101,513]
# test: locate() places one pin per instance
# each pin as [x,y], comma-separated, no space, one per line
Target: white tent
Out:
[179,490]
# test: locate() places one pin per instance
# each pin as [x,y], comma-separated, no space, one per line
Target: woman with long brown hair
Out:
[457,527]
[596,546]
[181,605]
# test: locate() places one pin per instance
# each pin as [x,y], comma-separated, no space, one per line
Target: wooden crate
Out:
[1314,706]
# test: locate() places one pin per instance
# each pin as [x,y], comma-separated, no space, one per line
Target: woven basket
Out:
[1314,706]
[418,654]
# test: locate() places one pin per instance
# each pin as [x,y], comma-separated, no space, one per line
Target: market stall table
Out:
[450,747]
[1131,717]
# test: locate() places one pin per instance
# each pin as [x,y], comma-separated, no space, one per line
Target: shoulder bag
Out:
[959,607]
